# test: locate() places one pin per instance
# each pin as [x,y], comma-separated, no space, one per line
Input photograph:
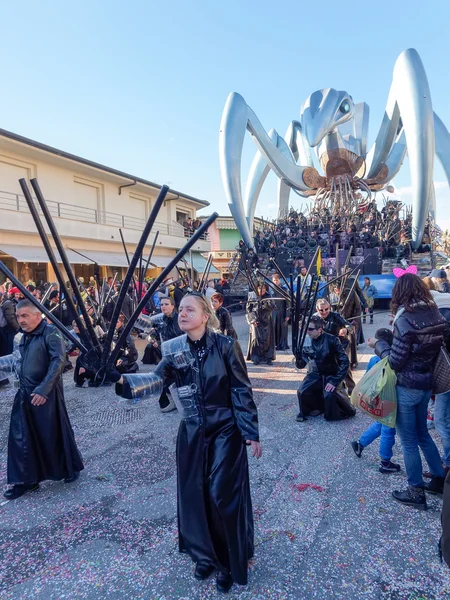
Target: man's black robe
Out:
[280,325]
[215,520]
[41,442]
[261,343]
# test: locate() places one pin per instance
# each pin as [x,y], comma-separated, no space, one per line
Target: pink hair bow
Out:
[399,272]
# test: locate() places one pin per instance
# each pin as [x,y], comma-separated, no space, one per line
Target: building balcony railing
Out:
[17,202]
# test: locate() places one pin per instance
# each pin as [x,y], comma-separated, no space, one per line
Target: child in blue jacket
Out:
[386,434]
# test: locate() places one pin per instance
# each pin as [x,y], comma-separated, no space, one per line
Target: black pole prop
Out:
[154,286]
[308,319]
[304,326]
[274,286]
[127,256]
[314,259]
[350,291]
[149,258]
[279,271]
[126,282]
[51,255]
[65,261]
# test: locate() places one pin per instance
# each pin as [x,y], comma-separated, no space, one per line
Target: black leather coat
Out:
[327,357]
[169,328]
[215,520]
[261,342]
[166,330]
[9,312]
[128,355]
[334,322]
[418,336]
[41,443]
[279,315]
[225,323]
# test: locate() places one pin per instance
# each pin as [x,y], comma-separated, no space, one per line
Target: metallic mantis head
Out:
[323,111]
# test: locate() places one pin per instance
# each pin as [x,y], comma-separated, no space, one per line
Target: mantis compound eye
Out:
[345,107]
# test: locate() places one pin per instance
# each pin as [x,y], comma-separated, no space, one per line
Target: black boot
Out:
[203,570]
[19,489]
[224,582]
[435,486]
[412,496]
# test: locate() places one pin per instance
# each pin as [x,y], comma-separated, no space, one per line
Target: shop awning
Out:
[199,263]
[105,259]
[37,254]
[159,261]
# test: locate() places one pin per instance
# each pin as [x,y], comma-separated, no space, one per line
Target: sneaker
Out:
[300,418]
[412,496]
[357,448]
[435,486]
[386,466]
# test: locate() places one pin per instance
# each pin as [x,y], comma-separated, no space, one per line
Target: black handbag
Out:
[441,372]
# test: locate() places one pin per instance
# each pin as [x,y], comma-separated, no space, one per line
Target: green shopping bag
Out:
[375,393]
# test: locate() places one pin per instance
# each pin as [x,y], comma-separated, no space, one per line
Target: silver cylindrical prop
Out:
[8,365]
[140,386]
[185,399]
[17,339]
[145,323]
[178,352]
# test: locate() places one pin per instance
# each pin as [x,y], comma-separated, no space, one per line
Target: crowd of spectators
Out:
[298,235]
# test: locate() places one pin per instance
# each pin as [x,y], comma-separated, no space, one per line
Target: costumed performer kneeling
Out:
[322,391]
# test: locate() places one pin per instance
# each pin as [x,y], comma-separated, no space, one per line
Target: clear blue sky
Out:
[141,85]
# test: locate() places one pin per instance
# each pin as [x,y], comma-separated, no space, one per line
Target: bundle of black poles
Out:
[309,310]
[87,333]
[95,356]
[108,361]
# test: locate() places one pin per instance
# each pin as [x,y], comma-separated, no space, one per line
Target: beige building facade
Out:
[89,203]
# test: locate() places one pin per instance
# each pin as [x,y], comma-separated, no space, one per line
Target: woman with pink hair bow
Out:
[418,336]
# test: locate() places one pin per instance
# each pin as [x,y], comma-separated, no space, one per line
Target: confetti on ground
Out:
[326,527]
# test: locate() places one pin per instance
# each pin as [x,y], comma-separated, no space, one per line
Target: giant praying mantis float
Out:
[337,128]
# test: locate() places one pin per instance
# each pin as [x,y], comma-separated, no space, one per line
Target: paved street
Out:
[325,525]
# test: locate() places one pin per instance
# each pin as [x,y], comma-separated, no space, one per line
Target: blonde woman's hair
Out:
[212,322]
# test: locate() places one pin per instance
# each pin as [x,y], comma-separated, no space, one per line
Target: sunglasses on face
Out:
[311,329]
[323,309]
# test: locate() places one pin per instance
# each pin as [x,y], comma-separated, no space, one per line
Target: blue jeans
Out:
[442,423]
[387,440]
[412,429]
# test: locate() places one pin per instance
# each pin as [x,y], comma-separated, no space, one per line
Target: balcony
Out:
[16,202]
